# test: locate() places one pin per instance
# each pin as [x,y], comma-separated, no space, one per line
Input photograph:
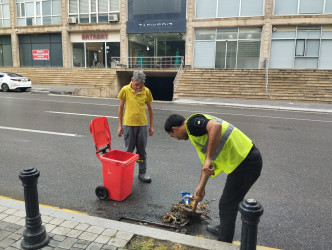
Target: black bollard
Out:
[251,211]
[34,236]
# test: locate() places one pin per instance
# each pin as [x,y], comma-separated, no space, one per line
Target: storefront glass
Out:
[161,50]
[5,52]
[95,54]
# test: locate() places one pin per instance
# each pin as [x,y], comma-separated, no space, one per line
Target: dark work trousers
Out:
[237,186]
[136,137]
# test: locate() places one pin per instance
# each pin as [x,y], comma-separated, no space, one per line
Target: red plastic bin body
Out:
[118,170]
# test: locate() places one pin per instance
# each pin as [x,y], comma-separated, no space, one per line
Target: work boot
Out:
[144,178]
[213,229]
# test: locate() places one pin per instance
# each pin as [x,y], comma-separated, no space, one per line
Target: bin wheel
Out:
[101,192]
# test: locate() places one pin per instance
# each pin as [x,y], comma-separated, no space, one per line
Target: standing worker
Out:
[134,127]
[221,147]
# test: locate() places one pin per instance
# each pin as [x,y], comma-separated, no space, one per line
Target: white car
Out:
[10,81]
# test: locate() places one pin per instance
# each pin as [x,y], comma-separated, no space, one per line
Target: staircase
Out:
[63,76]
[285,85]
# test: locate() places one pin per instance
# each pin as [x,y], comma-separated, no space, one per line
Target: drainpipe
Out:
[265,66]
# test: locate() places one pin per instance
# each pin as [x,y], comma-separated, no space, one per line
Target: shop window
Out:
[78,55]
[41,50]
[5,52]
[230,48]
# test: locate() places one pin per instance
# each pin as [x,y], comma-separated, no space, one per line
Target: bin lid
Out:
[100,132]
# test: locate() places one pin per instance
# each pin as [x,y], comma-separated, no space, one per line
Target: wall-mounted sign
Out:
[40,55]
[96,36]
[153,26]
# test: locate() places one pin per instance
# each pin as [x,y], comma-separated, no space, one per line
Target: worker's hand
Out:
[207,167]
[120,131]
[199,194]
[151,131]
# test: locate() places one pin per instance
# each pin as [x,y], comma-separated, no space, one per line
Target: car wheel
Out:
[101,192]
[4,87]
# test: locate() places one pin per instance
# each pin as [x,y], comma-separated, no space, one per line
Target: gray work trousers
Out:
[136,137]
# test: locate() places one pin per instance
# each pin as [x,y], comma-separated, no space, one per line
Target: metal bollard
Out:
[34,236]
[251,211]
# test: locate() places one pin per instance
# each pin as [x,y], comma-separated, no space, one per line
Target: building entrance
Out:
[156,50]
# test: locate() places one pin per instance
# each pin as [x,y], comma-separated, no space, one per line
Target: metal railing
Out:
[178,76]
[148,62]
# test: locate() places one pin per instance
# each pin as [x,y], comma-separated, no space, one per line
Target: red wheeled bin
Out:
[118,166]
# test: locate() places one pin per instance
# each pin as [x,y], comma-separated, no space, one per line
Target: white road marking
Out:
[192,111]
[65,113]
[258,116]
[40,131]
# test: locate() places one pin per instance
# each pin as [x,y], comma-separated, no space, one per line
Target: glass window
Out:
[46,5]
[284,34]
[47,20]
[95,55]
[220,54]
[248,54]
[102,6]
[112,50]
[114,5]
[299,51]
[231,55]
[205,34]
[93,6]
[78,55]
[306,63]
[84,6]
[285,7]
[206,8]
[56,20]
[228,8]
[30,9]
[251,7]
[312,48]
[328,7]
[325,55]
[73,6]
[311,7]
[327,35]
[282,54]
[204,54]
[56,7]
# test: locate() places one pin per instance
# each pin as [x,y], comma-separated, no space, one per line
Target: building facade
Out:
[213,34]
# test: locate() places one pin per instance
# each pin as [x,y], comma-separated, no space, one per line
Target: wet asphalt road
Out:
[294,188]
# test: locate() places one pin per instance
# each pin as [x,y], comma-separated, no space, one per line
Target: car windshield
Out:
[14,75]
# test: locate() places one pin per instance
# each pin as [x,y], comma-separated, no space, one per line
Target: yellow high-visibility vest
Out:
[233,148]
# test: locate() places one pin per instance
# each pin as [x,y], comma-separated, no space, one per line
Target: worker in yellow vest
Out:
[221,147]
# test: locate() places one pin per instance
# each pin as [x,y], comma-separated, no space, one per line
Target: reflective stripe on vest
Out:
[222,142]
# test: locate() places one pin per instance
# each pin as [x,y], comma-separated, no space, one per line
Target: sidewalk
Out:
[240,103]
[72,230]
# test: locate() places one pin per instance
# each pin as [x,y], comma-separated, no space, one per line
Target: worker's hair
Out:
[139,76]
[173,120]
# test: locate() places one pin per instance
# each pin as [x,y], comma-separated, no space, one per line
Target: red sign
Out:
[40,54]
[94,36]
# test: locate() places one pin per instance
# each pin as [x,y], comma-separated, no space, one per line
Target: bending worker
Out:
[221,147]
[134,127]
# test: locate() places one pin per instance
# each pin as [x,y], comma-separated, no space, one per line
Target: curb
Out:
[159,234]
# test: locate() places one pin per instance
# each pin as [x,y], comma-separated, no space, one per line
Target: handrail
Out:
[178,76]
[148,62]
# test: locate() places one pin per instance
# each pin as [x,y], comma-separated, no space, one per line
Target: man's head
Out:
[175,126]
[138,80]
